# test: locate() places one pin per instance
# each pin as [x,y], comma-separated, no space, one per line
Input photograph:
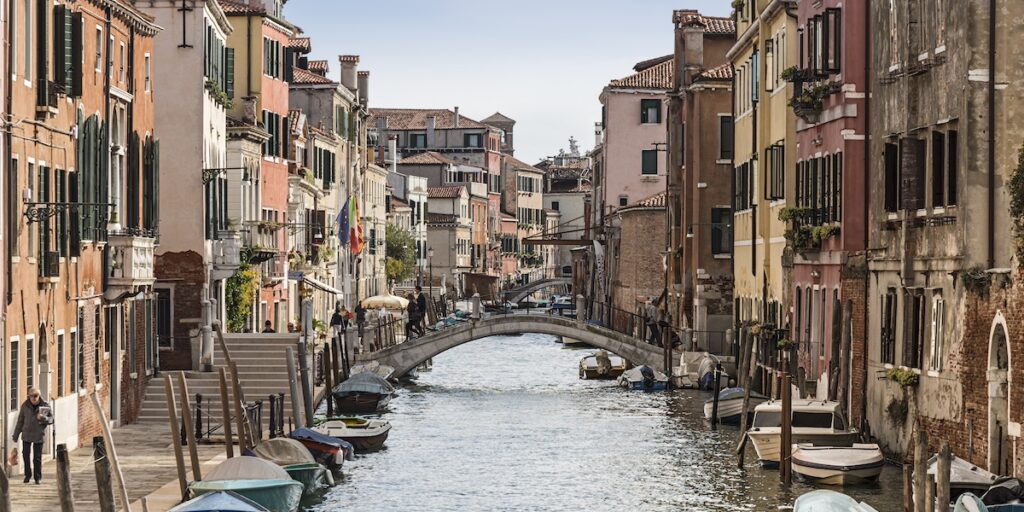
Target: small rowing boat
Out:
[366,435]
[838,465]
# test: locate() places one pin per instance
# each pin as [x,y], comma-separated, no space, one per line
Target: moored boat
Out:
[300,464]
[964,477]
[573,342]
[643,378]
[730,405]
[312,475]
[818,423]
[258,480]
[220,501]
[381,370]
[329,451]
[838,465]
[824,500]
[363,393]
[366,435]
[602,365]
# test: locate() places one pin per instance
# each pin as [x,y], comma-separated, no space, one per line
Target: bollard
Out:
[67,502]
[101,464]
[786,446]
[225,412]
[307,393]
[475,314]
[714,403]
[942,476]
[920,469]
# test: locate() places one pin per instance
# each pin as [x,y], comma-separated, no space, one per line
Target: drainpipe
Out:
[991,133]
[8,56]
[867,188]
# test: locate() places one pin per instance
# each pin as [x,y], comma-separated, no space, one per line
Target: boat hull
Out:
[573,342]
[838,476]
[274,495]
[730,411]
[364,444]
[361,403]
[767,443]
[313,477]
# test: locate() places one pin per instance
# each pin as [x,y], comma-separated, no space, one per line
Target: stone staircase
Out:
[262,367]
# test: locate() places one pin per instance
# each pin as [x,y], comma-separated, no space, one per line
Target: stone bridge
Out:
[517,294]
[406,356]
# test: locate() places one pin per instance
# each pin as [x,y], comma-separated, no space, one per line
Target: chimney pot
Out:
[456,122]
[364,87]
[349,63]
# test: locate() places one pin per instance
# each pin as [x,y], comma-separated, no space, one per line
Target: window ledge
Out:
[15,259]
[133,375]
[888,366]
[933,373]
[722,256]
[99,386]
[723,161]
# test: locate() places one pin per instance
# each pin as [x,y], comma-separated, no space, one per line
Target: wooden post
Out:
[714,399]
[339,338]
[293,386]
[190,428]
[329,374]
[844,358]
[307,393]
[942,478]
[67,500]
[101,464]
[786,446]
[239,401]
[172,416]
[108,438]
[908,492]
[920,469]
[744,378]
[225,414]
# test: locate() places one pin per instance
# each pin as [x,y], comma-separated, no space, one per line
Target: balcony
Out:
[129,260]
[227,255]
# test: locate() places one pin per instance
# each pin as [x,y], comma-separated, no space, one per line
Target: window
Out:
[725,137]
[150,349]
[121,66]
[147,70]
[775,159]
[742,186]
[79,346]
[271,58]
[61,219]
[650,111]
[97,363]
[721,231]
[912,173]
[472,140]
[28,40]
[417,140]
[944,167]
[60,364]
[32,227]
[832,35]
[938,326]
[274,125]
[13,211]
[888,327]
[892,177]
[623,200]
[554,206]
[110,57]
[771,77]
[99,50]
[14,374]
[649,161]
[30,363]
[131,362]
[913,338]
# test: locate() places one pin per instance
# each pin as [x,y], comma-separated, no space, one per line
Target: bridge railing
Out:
[621,321]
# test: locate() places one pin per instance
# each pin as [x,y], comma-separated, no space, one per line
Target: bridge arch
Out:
[517,294]
[406,356]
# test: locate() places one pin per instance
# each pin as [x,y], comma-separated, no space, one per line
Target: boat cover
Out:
[283,452]
[968,502]
[858,455]
[305,434]
[1007,490]
[220,501]
[364,383]
[637,374]
[247,468]
[963,474]
[731,393]
[824,500]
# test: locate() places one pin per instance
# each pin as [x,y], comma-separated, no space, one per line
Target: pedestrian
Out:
[268,327]
[345,317]
[360,319]
[651,318]
[33,418]
[421,302]
[412,325]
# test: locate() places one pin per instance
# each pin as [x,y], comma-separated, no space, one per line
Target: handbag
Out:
[12,459]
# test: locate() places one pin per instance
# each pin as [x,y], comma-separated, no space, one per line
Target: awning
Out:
[297,276]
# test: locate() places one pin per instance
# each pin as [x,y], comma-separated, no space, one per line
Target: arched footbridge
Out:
[517,294]
[406,356]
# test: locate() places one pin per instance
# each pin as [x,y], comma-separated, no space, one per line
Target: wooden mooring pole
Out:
[172,417]
[786,444]
[244,436]
[714,399]
[329,364]
[225,414]
[920,470]
[67,500]
[101,464]
[942,478]
[111,451]
[5,491]
[190,428]
[293,386]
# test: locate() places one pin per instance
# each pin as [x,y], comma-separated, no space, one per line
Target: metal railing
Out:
[254,415]
[276,426]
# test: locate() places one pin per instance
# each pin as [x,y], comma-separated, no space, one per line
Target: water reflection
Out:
[505,424]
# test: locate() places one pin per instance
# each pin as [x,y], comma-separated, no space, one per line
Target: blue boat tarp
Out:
[221,501]
[306,434]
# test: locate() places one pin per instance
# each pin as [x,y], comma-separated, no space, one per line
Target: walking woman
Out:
[33,418]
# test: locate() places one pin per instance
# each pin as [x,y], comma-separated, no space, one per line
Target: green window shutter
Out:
[229,72]
[42,53]
[59,71]
[74,219]
[103,176]
[154,169]
[289,54]
[285,136]
[132,199]
[76,49]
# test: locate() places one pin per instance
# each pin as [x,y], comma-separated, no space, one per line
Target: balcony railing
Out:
[130,261]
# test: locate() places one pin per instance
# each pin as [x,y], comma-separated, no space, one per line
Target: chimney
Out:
[456,122]
[364,87]
[393,151]
[689,50]
[431,122]
[348,70]
[597,134]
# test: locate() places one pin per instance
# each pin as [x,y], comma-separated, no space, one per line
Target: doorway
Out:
[1000,445]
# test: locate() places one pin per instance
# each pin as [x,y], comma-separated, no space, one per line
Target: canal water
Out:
[504,423]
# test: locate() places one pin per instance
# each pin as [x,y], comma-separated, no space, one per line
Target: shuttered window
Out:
[42,53]
[892,180]
[229,72]
[912,173]
[132,186]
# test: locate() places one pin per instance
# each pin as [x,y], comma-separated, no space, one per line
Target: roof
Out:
[236,7]
[294,119]
[427,157]
[566,186]
[498,117]
[712,24]
[398,203]
[440,218]
[319,67]
[302,77]
[416,118]
[447,192]
[658,76]
[299,43]
[655,201]
[520,165]
[649,63]
[719,72]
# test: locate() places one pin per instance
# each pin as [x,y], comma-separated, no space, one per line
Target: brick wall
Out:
[135,376]
[854,288]
[88,420]
[639,271]
[188,275]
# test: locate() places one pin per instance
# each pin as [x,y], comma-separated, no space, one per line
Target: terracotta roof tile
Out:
[427,157]
[517,164]
[649,63]
[447,192]
[712,24]
[416,118]
[440,218]
[719,72]
[655,201]
[398,203]
[294,116]
[302,77]
[658,76]
[319,67]
[299,43]
[233,7]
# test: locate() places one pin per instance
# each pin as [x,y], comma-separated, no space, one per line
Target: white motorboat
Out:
[838,465]
[819,423]
[730,405]
[964,477]
[824,500]
[573,342]
[602,365]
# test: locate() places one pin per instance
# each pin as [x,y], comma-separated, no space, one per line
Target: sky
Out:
[542,63]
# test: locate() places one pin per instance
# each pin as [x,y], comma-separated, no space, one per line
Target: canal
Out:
[504,423]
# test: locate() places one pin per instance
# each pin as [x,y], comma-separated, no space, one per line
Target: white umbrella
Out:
[385,301]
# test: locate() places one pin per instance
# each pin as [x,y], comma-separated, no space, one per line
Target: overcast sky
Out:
[540,62]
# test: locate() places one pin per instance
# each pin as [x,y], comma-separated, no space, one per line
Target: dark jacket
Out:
[421,302]
[28,427]
[414,311]
[360,314]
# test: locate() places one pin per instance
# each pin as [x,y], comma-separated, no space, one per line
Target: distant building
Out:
[567,190]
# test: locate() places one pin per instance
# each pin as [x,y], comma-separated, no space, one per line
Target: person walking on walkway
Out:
[421,302]
[33,418]
[651,318]
[360,321]
[268,327]
[412,325]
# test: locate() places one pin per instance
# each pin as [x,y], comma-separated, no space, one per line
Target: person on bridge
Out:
[412,325]
[421,302]
[651,318]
